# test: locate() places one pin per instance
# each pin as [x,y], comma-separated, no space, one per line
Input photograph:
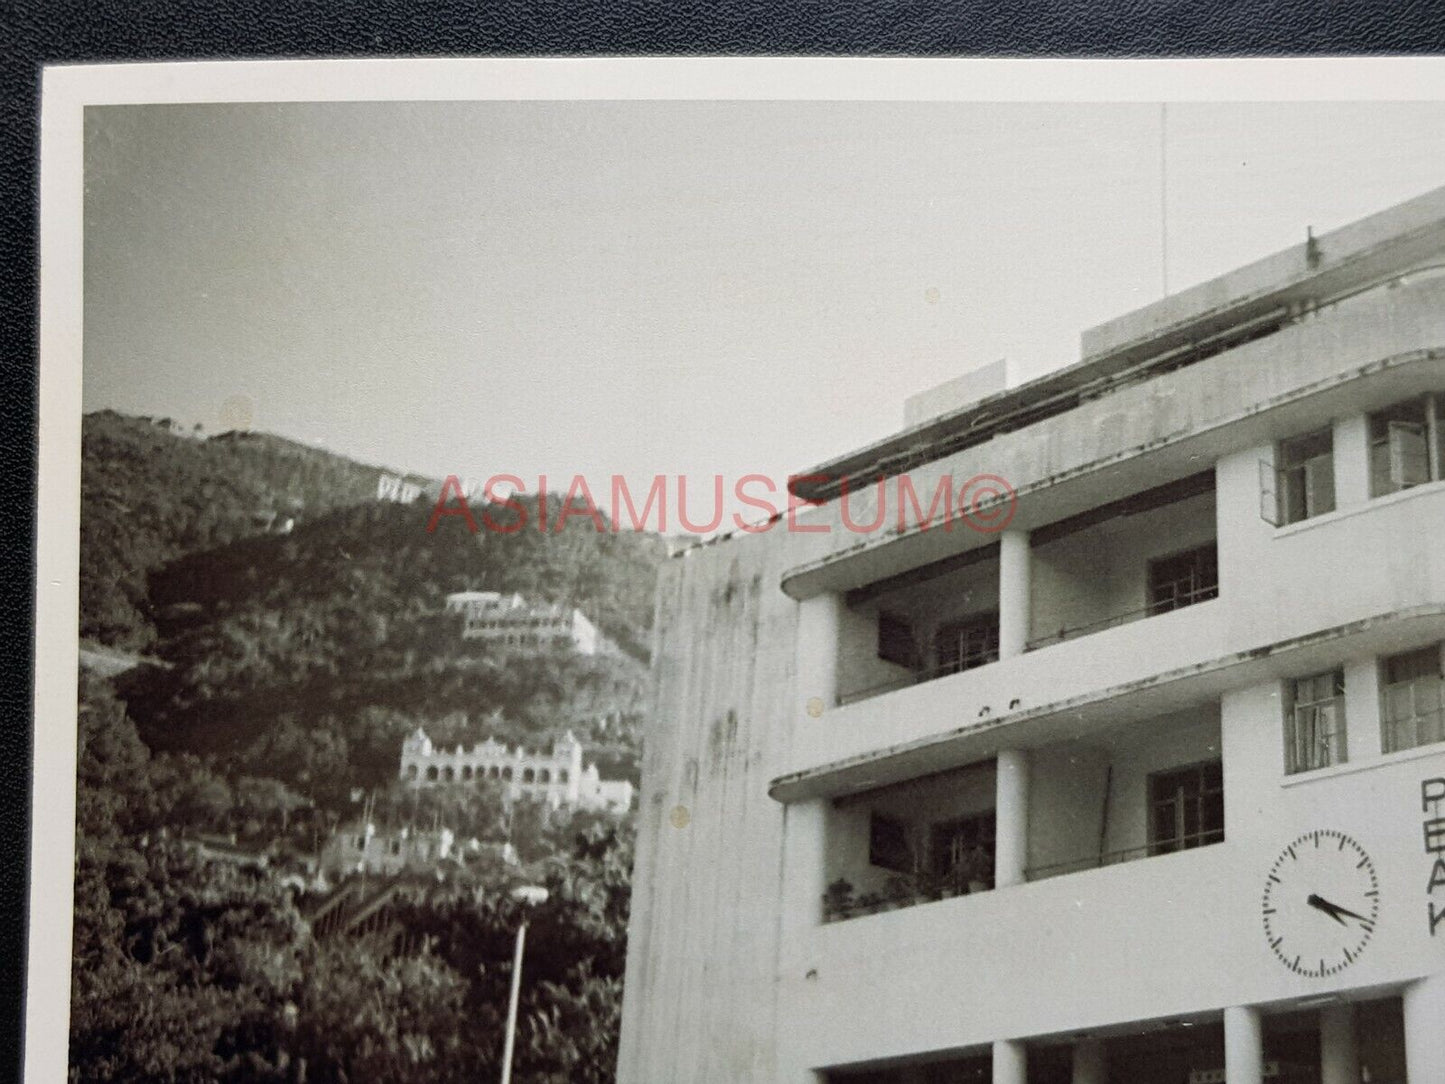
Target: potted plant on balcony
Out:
[975,869]
[899,892]
[838,900]
[869,903]
[931,885]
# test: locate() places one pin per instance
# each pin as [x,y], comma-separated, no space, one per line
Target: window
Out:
[965,644]
[411,771]
[895,641]
[888,844]
[1407,444]
[1412,709]
[1305,467]
[1183,579]
[528,775]
[1315,722]
[1186,807]
[467,771]
[544,776]
[449,774]
[963,850]
[431,773]
[561,775]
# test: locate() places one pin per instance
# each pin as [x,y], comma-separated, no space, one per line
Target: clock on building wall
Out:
[1321,901]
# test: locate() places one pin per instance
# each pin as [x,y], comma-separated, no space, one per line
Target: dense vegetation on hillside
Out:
[307,656]
[150,494]
[202,973]
[283,666]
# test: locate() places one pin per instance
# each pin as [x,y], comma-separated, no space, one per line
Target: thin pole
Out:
[512,1003]
[1164,196]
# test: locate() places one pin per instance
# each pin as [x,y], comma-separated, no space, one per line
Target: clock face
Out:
[1321,901]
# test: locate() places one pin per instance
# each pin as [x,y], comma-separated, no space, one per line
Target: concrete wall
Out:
[704,941]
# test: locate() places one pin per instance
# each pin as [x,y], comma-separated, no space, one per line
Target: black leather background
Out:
[36,32]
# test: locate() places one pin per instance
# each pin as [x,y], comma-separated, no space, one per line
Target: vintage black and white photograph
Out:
[669,588]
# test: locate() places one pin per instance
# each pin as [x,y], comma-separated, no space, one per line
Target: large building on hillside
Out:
[512,621]
[1132,773]
[557,777]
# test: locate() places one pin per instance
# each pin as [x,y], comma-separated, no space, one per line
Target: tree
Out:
[367,1017]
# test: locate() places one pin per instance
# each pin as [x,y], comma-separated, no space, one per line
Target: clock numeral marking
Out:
[1362,863]
[1275,879]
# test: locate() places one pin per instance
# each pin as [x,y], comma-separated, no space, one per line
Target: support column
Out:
[1339,1052]
[1090,1066]
[819,621]
[1013,593]
[804,864]
[1363,738]
[1424,1035]
[1352,460]
[1010,1062]
[1011,816]
[1243,1046]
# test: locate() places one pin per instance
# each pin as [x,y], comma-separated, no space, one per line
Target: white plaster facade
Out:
[1127,750]
[363,848]
[558,777]
[510,620]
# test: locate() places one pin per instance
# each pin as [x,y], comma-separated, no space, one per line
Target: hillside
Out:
[306,656]
[151,493]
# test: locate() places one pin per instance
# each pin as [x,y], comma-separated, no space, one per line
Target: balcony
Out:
[1142,556]
[920,626]
[1150,554]
[1132,792]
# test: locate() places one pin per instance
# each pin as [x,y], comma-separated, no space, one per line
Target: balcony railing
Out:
[1177,601]
[901,891]
[914,677]
[1131,854]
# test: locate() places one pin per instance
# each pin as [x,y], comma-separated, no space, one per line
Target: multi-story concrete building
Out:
[1134,775]
[557,778]
[512,621]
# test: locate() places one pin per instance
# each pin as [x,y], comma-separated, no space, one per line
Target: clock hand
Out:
[1334,910]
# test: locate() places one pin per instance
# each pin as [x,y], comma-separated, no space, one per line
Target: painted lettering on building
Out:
[1432,804]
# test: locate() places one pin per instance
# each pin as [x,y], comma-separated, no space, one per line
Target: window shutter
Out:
[1268,493]
[1409,454]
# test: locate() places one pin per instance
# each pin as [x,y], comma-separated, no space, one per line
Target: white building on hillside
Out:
[389,487]
[512,621]
[363,848]
[1132,772]
[557,778]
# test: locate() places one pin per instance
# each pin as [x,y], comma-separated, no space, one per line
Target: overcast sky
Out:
[642,288]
